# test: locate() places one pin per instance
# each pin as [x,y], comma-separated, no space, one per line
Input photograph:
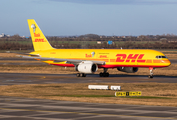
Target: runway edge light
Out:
[131,93]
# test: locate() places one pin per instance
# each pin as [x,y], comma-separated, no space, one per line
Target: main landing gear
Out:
[81,75]
[151,72]
[105,73]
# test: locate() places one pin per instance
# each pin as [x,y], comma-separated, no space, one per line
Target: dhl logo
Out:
[36,35]
[103,56]
[130,58]
[39,40]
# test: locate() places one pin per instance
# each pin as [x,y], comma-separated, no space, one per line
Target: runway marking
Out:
[87,113]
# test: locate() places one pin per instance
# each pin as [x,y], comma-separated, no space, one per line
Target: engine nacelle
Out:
[86,67]
[128,69]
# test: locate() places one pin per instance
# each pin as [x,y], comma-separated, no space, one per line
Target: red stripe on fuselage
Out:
[112,66]
[64,65]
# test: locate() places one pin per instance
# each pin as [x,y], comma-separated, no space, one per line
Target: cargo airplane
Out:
[87,61]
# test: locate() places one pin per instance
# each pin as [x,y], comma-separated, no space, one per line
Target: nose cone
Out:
[166,62]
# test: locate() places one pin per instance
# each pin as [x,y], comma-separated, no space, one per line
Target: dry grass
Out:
[8,54]
[167,91]
[19,61]
[171,56]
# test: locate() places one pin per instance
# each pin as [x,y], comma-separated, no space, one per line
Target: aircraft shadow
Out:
[134,76]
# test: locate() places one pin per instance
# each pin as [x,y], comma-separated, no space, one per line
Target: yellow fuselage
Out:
[113,57]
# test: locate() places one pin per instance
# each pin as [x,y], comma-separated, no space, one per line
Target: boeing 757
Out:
[87,61]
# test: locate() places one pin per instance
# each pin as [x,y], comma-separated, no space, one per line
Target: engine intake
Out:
[128,69]
[86,67]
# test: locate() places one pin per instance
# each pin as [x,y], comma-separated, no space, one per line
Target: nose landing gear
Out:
[151,72]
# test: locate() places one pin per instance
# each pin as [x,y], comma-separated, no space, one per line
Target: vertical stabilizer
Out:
[38,39]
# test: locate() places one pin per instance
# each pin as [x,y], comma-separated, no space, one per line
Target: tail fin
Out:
[38,39]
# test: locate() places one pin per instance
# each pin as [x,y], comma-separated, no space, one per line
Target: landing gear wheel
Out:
[78,74]
[104,74]
[101,74]
[150,76]
[81,75]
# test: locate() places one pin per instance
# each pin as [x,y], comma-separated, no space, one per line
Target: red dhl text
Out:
[130,58]
[39,40]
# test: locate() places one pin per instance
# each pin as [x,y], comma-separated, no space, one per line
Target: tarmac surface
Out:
[32,78]
[14,108]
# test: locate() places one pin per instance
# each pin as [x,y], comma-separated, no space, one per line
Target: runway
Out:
[31,78]
[14,108]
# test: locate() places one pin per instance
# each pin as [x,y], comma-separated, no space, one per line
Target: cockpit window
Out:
[160,56]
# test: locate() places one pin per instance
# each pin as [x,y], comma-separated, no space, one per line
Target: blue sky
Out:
[78,17]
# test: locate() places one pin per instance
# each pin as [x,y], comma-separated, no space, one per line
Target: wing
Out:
[70,61]
[23,54]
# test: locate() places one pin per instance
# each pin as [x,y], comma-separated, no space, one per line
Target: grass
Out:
[161,94]
[138,97]
[147,97]
[136,42]
[84,95]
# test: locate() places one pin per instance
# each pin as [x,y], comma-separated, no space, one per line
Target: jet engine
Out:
[128,69]
[86,67]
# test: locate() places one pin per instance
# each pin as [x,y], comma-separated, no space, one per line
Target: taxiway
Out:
[31,78]
[14,108]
